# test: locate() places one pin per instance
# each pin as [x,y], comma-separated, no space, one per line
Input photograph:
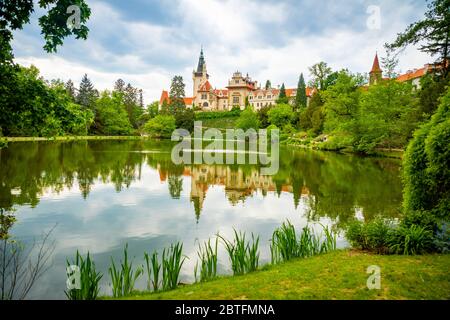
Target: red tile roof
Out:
[165,97]
[206,87]
[412,75]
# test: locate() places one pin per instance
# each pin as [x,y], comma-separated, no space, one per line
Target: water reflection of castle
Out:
[238,183]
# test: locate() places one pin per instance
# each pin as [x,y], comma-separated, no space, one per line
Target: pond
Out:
[102,195]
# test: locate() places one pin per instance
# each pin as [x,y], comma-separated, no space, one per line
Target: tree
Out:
[152,109]
[15,14]
[282,97]
[342,102]
[132,104]
[87,94]
[70,88]
[185,119]
[119,86]
[432,33]
[312,117]
[161,126]
[176,95]
[268,85]
[319,74]
[247,120]
[426,174]
[280,115]
[387,116]
[111,116]
[263,116]
[300,98]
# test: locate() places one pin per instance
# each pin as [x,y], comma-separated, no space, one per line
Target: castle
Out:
[240,90]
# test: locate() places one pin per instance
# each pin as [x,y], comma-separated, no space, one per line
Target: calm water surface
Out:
[104,194]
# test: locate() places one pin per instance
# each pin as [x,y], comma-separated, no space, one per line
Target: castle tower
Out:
[199,76]
[376,74]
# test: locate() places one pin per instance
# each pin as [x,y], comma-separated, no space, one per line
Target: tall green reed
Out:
[153,266]
[244,256]
[172,261]
[207,255]
[124,279]
[286,244]
[89,279]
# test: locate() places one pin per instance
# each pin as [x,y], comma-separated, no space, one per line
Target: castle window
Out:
[236,100]
[236,81]
[269,97]
[205,105]
[250,98]
[259,97]
[204,96]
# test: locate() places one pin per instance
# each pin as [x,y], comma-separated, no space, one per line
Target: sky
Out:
[147,42]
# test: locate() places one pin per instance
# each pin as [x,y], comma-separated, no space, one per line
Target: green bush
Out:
[160,126]
[372,236]
[336,143]
[411,240]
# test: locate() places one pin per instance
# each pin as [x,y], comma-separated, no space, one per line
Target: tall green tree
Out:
[432,33]
[268,85]
[300,98]
[70,88]
[111,116]
[282,97]
[176,95]
[87,94]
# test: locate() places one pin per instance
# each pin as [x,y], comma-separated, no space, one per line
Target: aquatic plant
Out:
[207,255]
[89,279]
[124,279]
[286,244]
[244,256]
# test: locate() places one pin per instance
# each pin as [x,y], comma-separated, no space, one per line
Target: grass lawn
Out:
[338,275]
[221,123]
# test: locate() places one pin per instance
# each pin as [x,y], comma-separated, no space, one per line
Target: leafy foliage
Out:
[89,279]
[160,126]
[247,120]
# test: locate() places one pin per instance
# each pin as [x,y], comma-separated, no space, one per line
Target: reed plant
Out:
[124,278]
[286,244]
[172,261]
[244,256]
[89,279]
[207,255]
[153,266]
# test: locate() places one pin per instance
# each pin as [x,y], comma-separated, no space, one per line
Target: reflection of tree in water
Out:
[175,186]
[326,184]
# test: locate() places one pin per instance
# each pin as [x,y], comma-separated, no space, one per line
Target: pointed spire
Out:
[201,61]
[376,65]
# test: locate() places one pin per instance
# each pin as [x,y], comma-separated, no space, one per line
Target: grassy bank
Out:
[337,275]
[220,123]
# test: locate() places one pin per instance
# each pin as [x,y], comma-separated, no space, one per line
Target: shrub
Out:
[160,126]
[208,261]
[124,278]
[372,236]
[411,240]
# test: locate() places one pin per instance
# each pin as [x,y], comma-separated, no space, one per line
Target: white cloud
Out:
[237,35]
